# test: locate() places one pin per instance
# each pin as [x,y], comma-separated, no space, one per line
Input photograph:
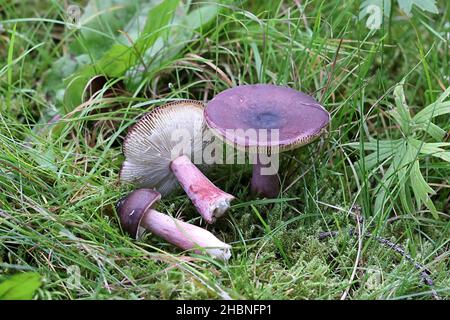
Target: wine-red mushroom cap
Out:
[132,209]
[298,117]
[154,142]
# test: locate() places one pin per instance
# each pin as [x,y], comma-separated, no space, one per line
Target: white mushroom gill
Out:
[159,137]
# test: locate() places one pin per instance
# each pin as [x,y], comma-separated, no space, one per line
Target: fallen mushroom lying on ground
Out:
[136,212]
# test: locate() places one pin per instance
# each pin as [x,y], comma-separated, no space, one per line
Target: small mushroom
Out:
[297,117]
[136,214]
[155,157]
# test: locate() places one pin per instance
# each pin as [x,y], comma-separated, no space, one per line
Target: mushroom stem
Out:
[265,185]
[185,235]
[209,200]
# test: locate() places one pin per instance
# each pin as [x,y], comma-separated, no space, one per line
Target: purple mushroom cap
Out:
[298,117]
[133,207]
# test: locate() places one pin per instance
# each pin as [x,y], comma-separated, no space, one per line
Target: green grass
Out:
[58,185]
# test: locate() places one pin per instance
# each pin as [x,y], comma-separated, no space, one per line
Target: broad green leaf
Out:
[61,69]
[403,161]
[135,27]
[163,50]
[375,159]
[433,130]
[444,95]
[74,89]
[156,23]
[374,144]
[20,286]
[383,150]
[383,188]
[119,58]
[431,111]
[432,149]
[100,28]
[401,112]
[402,155]
[382,191]
[421,189]
[444,155]
[101,22]
[202,16]
[426,5]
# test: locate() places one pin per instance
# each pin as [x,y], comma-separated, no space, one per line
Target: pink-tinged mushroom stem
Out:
[265,185]
[185,235]
[209,200]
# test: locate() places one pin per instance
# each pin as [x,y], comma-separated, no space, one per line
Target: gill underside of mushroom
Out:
[265,185]
[210,201]
[185,235]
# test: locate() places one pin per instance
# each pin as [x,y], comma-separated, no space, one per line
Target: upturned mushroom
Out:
[137,214]
[159,149]
[296,118]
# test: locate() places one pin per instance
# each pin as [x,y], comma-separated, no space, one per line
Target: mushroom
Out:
[155,158]
[294,118]
[136,214]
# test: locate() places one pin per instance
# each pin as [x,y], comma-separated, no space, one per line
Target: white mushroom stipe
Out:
[184,235]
